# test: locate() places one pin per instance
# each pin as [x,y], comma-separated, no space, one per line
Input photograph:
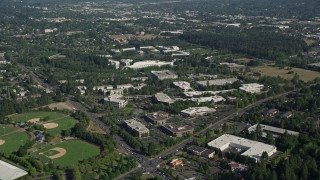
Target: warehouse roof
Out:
[271,129]
[252,148]
[9,172]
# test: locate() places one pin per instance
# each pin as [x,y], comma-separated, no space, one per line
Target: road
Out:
[152,164]
[146,163]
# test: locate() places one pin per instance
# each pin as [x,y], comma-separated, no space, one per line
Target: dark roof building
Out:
[158,118]
[201,151]
[177,131]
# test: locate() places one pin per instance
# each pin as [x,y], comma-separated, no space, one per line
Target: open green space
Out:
[13,139]
[305,75]
[76,150]
[64,123]
[27,116]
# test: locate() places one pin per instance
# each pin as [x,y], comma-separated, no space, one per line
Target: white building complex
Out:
[165,74]
[10,172]
[253,149]
[197,111]
[276,132]
[252,88]
[149,63]
[199,93]
[213,99]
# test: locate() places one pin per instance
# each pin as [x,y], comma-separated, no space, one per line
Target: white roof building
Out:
[115,63]
[124,86]
[252,88]
[147,47]
[214,99]
[165,74]
[197,111]
[128,49]
[149,63]
[218,82]
[184,85]
[276,132]
[199,93]
[10,172]
[164,98]
[253,149]
[127,62]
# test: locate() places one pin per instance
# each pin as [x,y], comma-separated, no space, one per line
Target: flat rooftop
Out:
[162,97]
[198,110]
[165,74]
[9,172]
[217,82]
[271,129]
[158,116]
[138,126]
[148,63]
[252,148]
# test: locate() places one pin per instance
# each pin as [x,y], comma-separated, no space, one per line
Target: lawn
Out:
[305,75]
[27,116]
[64,123]
[12,141]
[76,150]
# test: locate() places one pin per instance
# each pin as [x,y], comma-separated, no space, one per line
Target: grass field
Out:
[76,150]
[27,116]
[64,123]
[13,137]
[305,75]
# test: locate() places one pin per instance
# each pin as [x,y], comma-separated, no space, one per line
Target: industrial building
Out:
[10,172]
[276,132]
[197,111]
[136,128]
[177,131]
[163,98]
[165,74]
[252,88]
[149,63]
[158,118]
[217,82]
[246,147]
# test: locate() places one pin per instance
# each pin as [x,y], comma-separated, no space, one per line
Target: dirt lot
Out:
[61,106]
[305,75]
[95,129]
[309,41]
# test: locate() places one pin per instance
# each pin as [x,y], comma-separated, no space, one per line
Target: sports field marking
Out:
[2,142]
[50,125]
[60,152]
[13,132]
[34,120]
